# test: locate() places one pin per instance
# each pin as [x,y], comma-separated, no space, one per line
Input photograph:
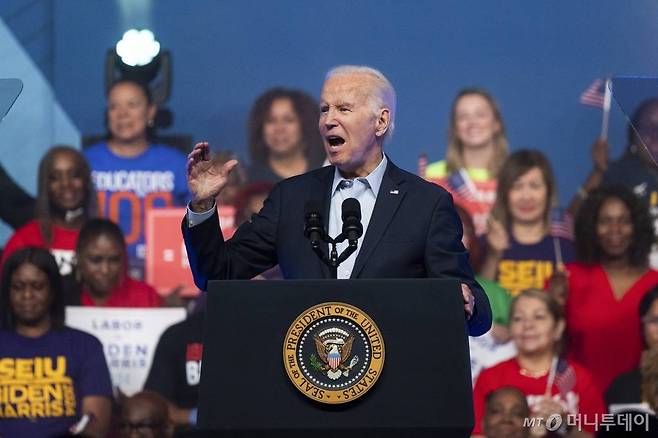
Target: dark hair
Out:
[242,200]
[474,245]
[43,205]
[158,409]
[647,301]
[308,112]
[99,227]
[551,303]
[126,81]
[644,108]
[146,91]
[488,399]
[587,245]
[515,166]
[43,261]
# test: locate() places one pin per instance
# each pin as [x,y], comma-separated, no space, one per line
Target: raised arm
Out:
[206,178]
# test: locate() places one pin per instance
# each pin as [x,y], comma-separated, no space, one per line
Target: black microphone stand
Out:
[334,260]
[352,230]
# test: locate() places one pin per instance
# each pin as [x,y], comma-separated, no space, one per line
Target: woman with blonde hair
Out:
[477,147]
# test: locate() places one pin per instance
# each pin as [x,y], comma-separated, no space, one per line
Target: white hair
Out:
[382,97]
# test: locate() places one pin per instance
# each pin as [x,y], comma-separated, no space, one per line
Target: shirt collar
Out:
[374,178]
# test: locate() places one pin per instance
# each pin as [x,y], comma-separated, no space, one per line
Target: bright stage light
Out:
[137,47]
[139,57]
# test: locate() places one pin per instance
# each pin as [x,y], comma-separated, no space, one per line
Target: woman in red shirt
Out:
[65,201]
[614,234]
[102,267]
[551,385]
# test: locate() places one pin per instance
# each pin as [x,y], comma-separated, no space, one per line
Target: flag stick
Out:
[551,376]
[605,118]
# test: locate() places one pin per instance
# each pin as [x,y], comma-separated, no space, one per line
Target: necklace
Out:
[530,373]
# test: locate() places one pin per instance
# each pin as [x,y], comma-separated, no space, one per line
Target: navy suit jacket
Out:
[414,232]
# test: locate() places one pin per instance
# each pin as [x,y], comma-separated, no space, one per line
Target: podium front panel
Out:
[425,385]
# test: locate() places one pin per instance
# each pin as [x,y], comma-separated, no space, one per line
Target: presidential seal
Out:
[333,353]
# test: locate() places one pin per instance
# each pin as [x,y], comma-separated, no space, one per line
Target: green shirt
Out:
[499,299]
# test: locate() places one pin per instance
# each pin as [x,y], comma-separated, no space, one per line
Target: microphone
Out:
[313,228]
[352,228]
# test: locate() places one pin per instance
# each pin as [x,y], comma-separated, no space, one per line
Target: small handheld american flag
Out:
[598,95]
[565,377]
[461,183]
[561,224]
[594,95]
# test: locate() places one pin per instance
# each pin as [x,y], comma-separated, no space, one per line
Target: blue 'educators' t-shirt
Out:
[43,381]
[128,186]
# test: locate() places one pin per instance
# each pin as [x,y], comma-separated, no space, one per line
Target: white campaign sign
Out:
[129,337]
[486,352]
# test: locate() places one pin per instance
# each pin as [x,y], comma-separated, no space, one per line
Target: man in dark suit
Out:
[410,226]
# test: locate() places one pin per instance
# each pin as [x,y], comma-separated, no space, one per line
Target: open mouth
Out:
[335,140]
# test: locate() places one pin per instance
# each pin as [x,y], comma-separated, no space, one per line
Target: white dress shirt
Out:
[365,190]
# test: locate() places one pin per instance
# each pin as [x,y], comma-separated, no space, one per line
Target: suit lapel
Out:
[391,193]
[323,186]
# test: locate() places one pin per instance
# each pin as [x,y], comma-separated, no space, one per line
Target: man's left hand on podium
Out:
[469,300]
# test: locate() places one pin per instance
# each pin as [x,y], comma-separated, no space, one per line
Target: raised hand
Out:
[500,333]
[497,243]
[547,406]
[206,178]
[497,236]
[600,154]
[558,286]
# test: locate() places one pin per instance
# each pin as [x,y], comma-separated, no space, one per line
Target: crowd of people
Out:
[573,292]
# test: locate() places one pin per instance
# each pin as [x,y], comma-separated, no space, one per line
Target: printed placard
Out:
[167,266]
[129,338]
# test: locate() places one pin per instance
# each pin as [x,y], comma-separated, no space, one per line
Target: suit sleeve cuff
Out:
[194,218]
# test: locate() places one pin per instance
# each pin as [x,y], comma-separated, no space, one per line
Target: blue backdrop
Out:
[535,57]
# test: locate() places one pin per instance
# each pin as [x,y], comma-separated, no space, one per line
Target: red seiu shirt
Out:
[582,398]
[130,293]
[604,333]
[62,245]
